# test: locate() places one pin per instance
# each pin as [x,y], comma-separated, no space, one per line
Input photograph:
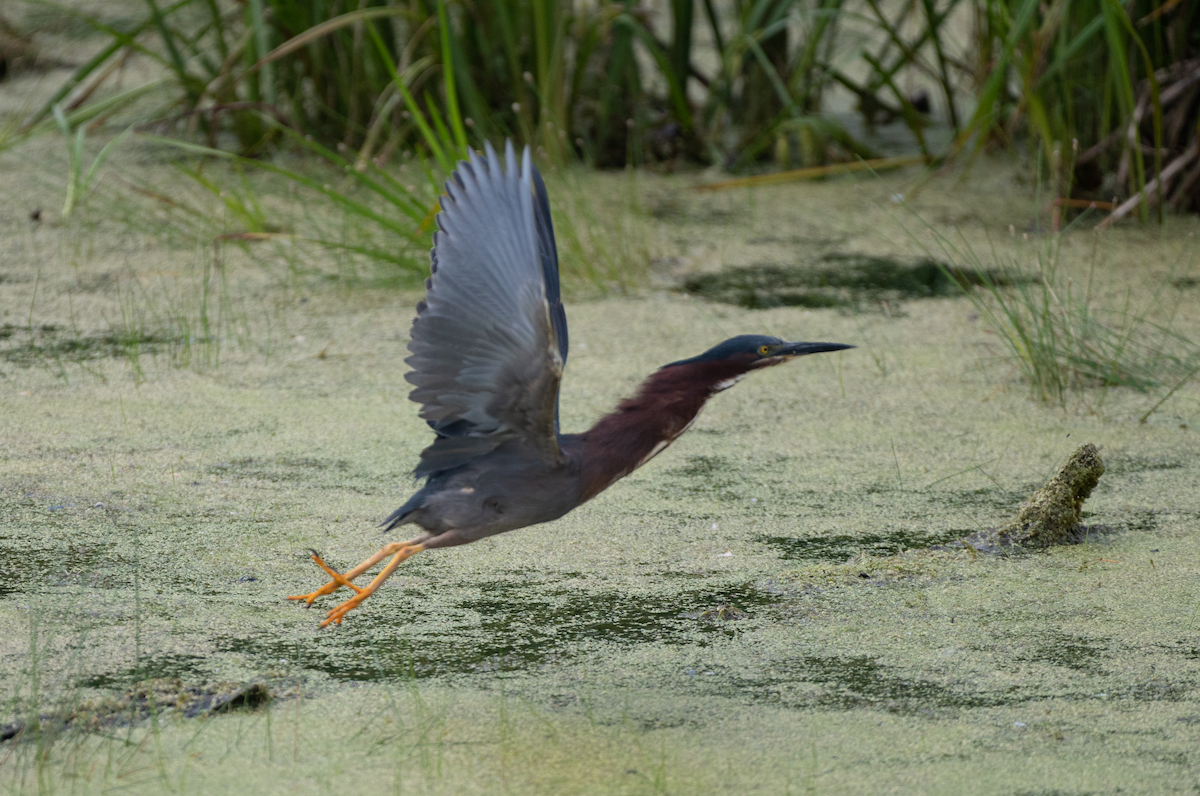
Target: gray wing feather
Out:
[487,356]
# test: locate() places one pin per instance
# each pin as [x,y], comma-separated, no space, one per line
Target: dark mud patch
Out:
[841,547]
[35,345]
[510,628]
[671,207]
[850,281]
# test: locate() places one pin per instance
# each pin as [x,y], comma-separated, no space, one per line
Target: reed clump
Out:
[726,83]
[1068,342]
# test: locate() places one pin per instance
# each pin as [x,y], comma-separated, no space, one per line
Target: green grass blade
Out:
[439,124]
[678,100]
[456,123]
[168,38]
[431,139]
[337,197]
[1115,15]
[262,40]
[100,158]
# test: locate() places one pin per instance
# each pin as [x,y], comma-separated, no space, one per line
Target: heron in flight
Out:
[488,348]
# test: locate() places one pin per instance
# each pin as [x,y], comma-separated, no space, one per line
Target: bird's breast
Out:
[658,448]
[727,383]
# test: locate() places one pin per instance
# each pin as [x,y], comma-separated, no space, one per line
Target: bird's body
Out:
[489,495]
[476,500]
[488,349]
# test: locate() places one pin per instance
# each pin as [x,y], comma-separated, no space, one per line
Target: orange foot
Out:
[400,551]
[339,580]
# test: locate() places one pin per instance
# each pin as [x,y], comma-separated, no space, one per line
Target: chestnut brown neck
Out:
[642,426]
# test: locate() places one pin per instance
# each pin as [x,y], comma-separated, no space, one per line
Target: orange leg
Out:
[339,580]
[399,552]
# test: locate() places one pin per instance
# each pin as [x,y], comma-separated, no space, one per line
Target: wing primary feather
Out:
[490,337]
[548,254]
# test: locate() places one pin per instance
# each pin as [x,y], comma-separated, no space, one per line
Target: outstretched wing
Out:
[490,339]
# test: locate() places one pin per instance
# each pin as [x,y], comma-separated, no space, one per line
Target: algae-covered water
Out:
[756,610]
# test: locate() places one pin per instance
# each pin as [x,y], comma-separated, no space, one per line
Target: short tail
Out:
[397,518]
[404,514]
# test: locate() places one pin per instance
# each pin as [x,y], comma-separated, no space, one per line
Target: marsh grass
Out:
[733,84]
[184,320]
[209,312]
[405,739]
[374,227]
[1063,339]
[80,180]
[186,317]
[602,235]
[42,703]
[380,218]
[14,131]
[373,232]
[611,85]
[390,220]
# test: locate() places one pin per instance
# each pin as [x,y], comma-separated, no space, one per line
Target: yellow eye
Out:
[764,350]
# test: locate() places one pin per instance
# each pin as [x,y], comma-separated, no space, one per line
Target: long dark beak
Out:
[800,349]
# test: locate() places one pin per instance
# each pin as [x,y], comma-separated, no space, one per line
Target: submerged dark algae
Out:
[842,546]
[1074,652]
[856,682]
[512,628]
[26,563]
[179,666]
[51,343]
[840,280]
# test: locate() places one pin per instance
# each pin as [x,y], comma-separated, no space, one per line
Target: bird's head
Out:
[748,352]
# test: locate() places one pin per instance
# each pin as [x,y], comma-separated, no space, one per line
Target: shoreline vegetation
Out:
[1105,91]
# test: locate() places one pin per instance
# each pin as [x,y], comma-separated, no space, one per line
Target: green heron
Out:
[488,347]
